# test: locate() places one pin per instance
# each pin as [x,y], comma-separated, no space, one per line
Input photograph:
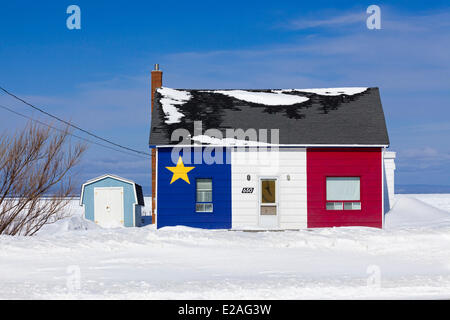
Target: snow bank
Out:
[74,223]
[266,98]
[349,91]
[189,263]
[440,201]
[170,98]
[411,212]
[410,259]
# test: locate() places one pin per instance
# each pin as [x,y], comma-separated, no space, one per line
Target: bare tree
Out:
[34,163]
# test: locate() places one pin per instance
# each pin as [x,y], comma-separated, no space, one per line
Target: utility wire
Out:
[72,125]
[78,137]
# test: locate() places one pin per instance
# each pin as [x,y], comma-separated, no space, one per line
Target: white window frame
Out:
[204,204]
[339,205]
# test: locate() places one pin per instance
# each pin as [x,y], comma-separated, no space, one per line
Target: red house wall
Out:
[344,162]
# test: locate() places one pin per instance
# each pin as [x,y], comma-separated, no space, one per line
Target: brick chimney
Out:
[156,83]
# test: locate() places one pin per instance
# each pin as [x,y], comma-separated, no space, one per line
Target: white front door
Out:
[108,206]
[268,211]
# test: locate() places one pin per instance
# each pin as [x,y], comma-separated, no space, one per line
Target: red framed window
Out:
[343,193]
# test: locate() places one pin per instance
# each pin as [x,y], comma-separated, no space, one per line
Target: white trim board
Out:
[112,177]
[276,145]
[156,189]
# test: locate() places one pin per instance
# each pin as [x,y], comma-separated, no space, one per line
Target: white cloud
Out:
[391,20]
[336,20]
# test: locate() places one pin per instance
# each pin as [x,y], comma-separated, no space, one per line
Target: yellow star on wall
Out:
[180,171]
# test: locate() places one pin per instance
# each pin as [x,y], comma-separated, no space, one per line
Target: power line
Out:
[78,137]
[71,134]
[70,124]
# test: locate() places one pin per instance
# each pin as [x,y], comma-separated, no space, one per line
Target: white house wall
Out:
[389,169]
[292,211]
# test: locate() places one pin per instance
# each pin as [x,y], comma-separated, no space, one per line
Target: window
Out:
[334,205]
[268,191]
[343,193]
[268,200]
[204,195]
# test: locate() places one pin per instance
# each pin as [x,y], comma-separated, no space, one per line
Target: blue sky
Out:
[98,77]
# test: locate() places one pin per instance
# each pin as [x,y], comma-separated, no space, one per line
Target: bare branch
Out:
[34,163]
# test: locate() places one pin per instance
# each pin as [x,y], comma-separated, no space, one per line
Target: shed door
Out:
[108,205]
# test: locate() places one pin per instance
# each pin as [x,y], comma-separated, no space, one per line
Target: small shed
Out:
[112,201]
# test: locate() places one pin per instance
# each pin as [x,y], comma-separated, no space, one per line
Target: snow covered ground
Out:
[75,259]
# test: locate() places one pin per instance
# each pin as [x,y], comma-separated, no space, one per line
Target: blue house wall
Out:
[128,200]
[176,202]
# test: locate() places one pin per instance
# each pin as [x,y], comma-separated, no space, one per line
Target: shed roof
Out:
[334,116]
[137,188]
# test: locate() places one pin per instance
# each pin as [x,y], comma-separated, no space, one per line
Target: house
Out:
[269,159]
[112,201]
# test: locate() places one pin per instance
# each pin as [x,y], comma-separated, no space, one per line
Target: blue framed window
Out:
[204,195]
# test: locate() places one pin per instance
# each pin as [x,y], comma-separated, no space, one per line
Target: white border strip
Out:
[273,145]
[382,189]
[156,190]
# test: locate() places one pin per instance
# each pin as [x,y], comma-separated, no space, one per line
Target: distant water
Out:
[421,188]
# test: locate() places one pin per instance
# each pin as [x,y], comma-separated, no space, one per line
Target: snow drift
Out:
[410,212]
[411,258]
[74,223]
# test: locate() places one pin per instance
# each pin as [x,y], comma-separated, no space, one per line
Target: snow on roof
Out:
[170,98]
[303,116]
[349,91]
[266,98]
[204,139]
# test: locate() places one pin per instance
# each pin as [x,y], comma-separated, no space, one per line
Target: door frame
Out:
[123,206]
[276,178]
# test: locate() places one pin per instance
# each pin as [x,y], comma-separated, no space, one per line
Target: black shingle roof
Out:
[343,119]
